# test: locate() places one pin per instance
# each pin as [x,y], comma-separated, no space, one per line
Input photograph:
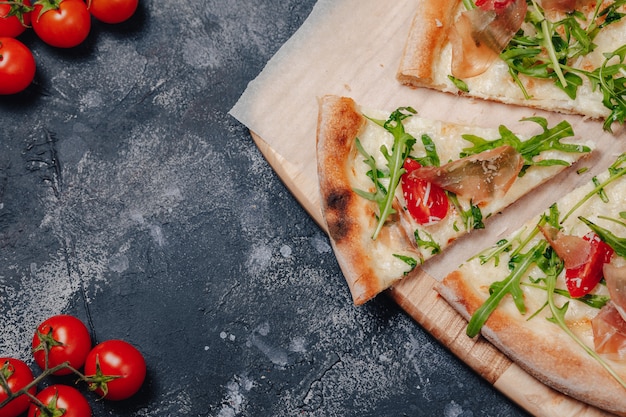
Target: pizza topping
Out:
[583,258]
[426,202]
[573,250]
[481,177]
[615,277]
[583,278]
[548,49]
[609,333]
[559,5]
[480,34]
[402,145]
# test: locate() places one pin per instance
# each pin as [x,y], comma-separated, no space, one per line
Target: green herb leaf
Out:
[402,146]
[617,243]
[429,242]
[549,139]
[410,261]
[510,285]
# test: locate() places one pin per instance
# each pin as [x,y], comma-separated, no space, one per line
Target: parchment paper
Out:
[353,48]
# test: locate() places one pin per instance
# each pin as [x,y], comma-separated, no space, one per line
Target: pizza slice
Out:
[552,296]
[557,55]
[397,189]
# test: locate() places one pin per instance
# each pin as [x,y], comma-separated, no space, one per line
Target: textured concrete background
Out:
[130,198]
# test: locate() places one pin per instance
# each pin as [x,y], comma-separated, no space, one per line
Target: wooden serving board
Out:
[418,297]
[353,48]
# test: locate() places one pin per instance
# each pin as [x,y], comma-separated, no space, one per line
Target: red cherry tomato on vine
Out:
[14,18]
[426,202]
[61,23]
[17,66]
[17,375]
[112,11]
[119,359]
[68,340]
[61,399]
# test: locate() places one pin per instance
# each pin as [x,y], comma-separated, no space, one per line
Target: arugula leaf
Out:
[472,217]
[617,243]
[611,81]
[431,158]
[427,243]
[374,174]
[592,300]
[549,138]
[410,261]
[510,285]
[458,83]
[616,171]
[402,144]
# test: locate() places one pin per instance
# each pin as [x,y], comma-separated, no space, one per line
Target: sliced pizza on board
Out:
[397,189]
[552,295]
[565,56]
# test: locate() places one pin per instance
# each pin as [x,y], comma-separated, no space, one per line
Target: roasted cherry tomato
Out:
[61,23]
[115,369]
[14,18]
[426,202]
[112,11]
[17,66]
[18,375]
[61,400]
[68,340]
[582,279]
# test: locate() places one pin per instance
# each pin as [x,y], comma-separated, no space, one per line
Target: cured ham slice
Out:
[609,333]
[481,177]
[481,34]
[573,250]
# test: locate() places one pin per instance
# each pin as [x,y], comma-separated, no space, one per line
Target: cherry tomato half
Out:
[112,11]
[61,23]
[61,399]
[426,202]
[14,18]
[116,368]
[17,375]
[68,340]
[17,66]
[582,279]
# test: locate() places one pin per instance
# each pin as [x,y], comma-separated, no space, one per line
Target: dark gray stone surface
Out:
[131,199]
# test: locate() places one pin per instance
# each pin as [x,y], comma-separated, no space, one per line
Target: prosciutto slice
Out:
[481,34]
[573,250]
[609,333]
[482,177]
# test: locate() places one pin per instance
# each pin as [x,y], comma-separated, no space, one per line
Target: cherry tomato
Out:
[61,400]
[17,375]
[582,279]
[61,23]
[17,66]
[426,202]
[68,340]
[116,368]
[112,11]
[14,18]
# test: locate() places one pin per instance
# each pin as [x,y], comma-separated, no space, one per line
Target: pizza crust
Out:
[349,217]
[426,38]
[550,356]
